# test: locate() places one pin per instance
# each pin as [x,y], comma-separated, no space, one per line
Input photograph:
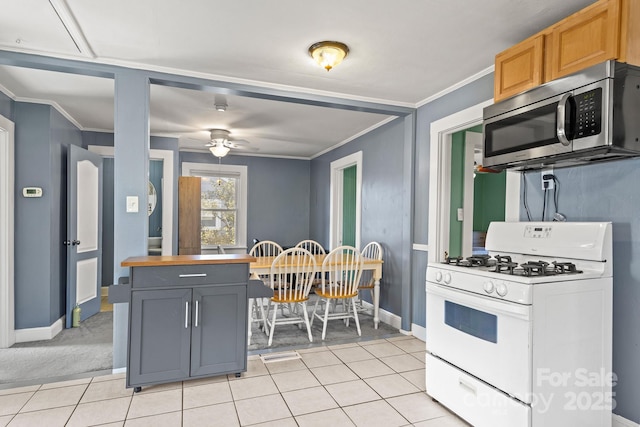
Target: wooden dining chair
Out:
[312,246]
[257,314]
[291,275]
[265,248]
[372,250]
[341,271]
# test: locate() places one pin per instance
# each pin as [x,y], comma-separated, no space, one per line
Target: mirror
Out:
[152,198]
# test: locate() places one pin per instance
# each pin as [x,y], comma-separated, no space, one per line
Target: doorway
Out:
[440,214]
[345,201]
[477,194]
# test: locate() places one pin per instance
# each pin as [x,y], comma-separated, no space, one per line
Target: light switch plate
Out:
[460,214]
[132,204]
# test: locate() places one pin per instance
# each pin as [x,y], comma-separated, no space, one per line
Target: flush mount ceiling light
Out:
[328,54]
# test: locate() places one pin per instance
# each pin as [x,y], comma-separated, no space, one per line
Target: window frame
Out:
[213,169]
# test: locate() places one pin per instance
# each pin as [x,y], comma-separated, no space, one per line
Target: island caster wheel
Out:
[137,389]
[238,374]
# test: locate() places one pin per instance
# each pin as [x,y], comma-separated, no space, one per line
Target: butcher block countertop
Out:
[159,261]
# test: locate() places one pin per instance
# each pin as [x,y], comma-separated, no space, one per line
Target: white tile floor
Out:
[372,383]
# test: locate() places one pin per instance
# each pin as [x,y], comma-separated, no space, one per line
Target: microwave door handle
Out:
[561,114]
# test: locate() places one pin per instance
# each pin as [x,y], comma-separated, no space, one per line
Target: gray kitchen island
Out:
[187,317]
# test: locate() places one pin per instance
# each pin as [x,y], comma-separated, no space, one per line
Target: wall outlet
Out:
[547,184]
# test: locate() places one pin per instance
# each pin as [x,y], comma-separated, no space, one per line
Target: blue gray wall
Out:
[6,106]
[382,201]
[155,178]
[609,192]
[42,138]
[458,100]
[277,199]
[106,139]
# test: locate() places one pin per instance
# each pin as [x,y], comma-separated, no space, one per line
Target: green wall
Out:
[457,193]
[349,206]
[488,199]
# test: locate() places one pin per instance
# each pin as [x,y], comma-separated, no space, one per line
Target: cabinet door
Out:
[159,336]
[219,333]
[189,238]
[585,38]
[519,68]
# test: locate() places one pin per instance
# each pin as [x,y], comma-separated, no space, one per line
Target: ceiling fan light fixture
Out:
[328,54]
[219,150]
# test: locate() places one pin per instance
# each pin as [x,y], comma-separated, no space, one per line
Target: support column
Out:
[131,172]
[407,219]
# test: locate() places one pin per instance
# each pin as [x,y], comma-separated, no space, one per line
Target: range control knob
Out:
[488,286]
[501,289]
[438,276]
[447,278]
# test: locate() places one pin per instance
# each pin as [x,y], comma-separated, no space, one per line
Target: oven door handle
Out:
[481,302]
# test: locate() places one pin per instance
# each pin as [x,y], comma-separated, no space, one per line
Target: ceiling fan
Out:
[221,143]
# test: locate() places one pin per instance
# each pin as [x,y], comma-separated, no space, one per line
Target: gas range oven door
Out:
[486,337]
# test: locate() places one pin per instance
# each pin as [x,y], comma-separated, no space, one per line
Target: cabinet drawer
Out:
[177,275]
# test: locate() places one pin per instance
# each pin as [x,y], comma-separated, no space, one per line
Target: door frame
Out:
[167,190]
[7,203]
[439,177]
[335,197]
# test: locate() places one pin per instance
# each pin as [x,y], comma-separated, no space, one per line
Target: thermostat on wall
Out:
[32,192]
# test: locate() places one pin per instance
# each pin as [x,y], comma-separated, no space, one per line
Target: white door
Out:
[84,232]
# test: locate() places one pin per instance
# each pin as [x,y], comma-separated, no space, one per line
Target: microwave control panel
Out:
[588,113]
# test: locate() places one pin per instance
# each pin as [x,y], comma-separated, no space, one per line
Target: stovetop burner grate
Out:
[505,265]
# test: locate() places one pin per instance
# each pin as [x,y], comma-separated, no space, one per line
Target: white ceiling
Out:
[401,53]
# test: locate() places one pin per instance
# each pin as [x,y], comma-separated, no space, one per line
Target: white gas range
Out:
[522,336]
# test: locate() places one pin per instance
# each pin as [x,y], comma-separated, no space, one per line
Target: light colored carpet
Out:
[89,348]
[79,350]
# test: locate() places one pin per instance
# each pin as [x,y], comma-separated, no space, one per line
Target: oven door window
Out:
[471,321]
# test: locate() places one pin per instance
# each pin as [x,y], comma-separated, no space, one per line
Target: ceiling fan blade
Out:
[239,141]
[245,148]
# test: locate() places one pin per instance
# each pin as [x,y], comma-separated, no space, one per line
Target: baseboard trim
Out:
[119,370]
[40,334]
[419,332]
[386,316]
[619,421]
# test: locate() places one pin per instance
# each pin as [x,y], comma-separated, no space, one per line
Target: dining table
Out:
[262,267]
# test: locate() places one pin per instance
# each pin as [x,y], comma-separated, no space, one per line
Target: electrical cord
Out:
[524,195]
[544,202]
[556,192]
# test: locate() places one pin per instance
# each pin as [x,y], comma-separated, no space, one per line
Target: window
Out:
[223,203]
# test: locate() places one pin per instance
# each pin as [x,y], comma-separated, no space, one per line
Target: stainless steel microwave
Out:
[589,116]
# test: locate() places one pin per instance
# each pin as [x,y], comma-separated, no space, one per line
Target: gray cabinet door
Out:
[219,341]
[159,336]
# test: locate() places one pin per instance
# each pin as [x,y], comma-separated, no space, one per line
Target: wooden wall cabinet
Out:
[585,38]
[519,68]
[607,29]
